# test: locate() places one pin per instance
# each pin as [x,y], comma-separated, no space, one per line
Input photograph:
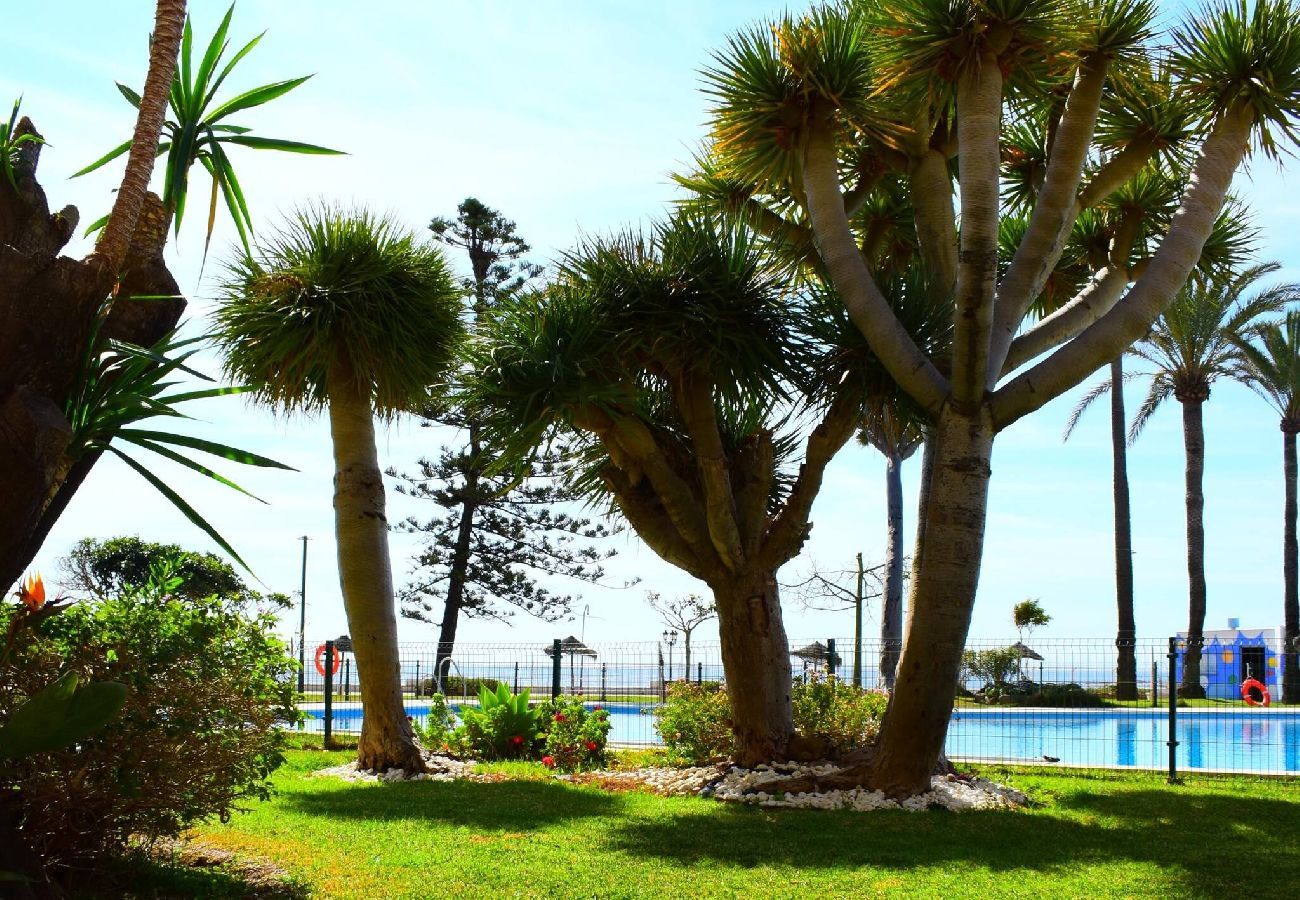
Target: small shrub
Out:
[846,715]
[435,730]
[455,686]
[208,686]
[574,737]
[991,668]
[502,727]
[695,724]
[1058,695]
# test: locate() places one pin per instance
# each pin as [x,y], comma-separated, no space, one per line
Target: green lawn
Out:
[1096,835]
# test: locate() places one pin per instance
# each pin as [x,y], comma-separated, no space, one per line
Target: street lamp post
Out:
[670,638]
[302,622]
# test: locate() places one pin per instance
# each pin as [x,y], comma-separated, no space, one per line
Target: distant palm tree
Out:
[347,311]
[1194,343]
[1272,368]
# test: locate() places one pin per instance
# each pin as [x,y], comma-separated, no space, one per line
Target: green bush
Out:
[993,668]
[695,724]
[208,686]
[847,716]
[455,686]
[502,727]
[435,730]
[1060,695]
[574,737]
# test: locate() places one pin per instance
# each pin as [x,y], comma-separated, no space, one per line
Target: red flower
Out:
[548,761]
[592,746]
[561,717]
[517,740]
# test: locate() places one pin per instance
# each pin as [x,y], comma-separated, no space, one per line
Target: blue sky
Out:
[568,117]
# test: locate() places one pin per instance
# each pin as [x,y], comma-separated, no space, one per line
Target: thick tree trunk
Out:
[366,578]
[916,722]
[756,661]
[1194,445]
[459,563]
[891,613]
[1125,637]
[1291,580]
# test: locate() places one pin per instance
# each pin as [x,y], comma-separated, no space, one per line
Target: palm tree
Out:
[1271,365]
[1193,344]
[346,311]
[897,441]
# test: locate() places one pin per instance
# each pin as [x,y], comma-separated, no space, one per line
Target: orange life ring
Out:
[1254,693]
[320,655]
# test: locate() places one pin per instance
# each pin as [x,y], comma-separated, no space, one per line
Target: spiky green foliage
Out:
[198,131]
[630,312]
[120,385]
[923,46]
[1198,339]
[1233,53]
[1270,362]
[12,143]
[339,287]
[771,78]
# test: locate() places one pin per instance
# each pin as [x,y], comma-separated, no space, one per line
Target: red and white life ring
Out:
[1254,693]
[320,656]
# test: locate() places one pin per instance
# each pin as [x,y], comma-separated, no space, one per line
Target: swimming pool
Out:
[1208,740]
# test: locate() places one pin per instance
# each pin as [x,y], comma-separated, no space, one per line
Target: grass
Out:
[1095,835]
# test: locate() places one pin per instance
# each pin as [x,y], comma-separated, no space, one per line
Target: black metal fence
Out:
[1056,702]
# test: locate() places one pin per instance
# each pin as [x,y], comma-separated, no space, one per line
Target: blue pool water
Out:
[1247,741]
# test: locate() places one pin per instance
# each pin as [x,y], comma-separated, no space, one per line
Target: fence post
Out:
[699,673]
[328,713]
[1155,684]
[347,679]
[417,679]
[830,656]
[556,671]
[516,678]
[1173,710]
[602,682]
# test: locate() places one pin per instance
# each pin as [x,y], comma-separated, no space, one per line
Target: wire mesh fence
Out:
[1059,702]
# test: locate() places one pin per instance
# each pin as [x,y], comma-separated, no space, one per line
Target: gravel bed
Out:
[733,784]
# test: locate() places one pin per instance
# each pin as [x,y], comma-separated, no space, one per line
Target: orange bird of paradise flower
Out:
[32,592]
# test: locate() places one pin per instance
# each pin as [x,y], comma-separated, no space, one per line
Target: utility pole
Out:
[857,625]
[302,622]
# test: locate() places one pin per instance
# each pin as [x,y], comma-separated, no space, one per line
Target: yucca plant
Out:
[199,131]
[121,385]
[12,141]
[346,311]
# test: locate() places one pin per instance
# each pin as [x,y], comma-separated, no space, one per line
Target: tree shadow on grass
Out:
[1196,839]
[508,805]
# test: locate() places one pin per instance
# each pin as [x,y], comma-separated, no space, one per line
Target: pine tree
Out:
[494,533]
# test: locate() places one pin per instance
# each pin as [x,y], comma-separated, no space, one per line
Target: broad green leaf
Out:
[30,724]
[93,706]
[96,225]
